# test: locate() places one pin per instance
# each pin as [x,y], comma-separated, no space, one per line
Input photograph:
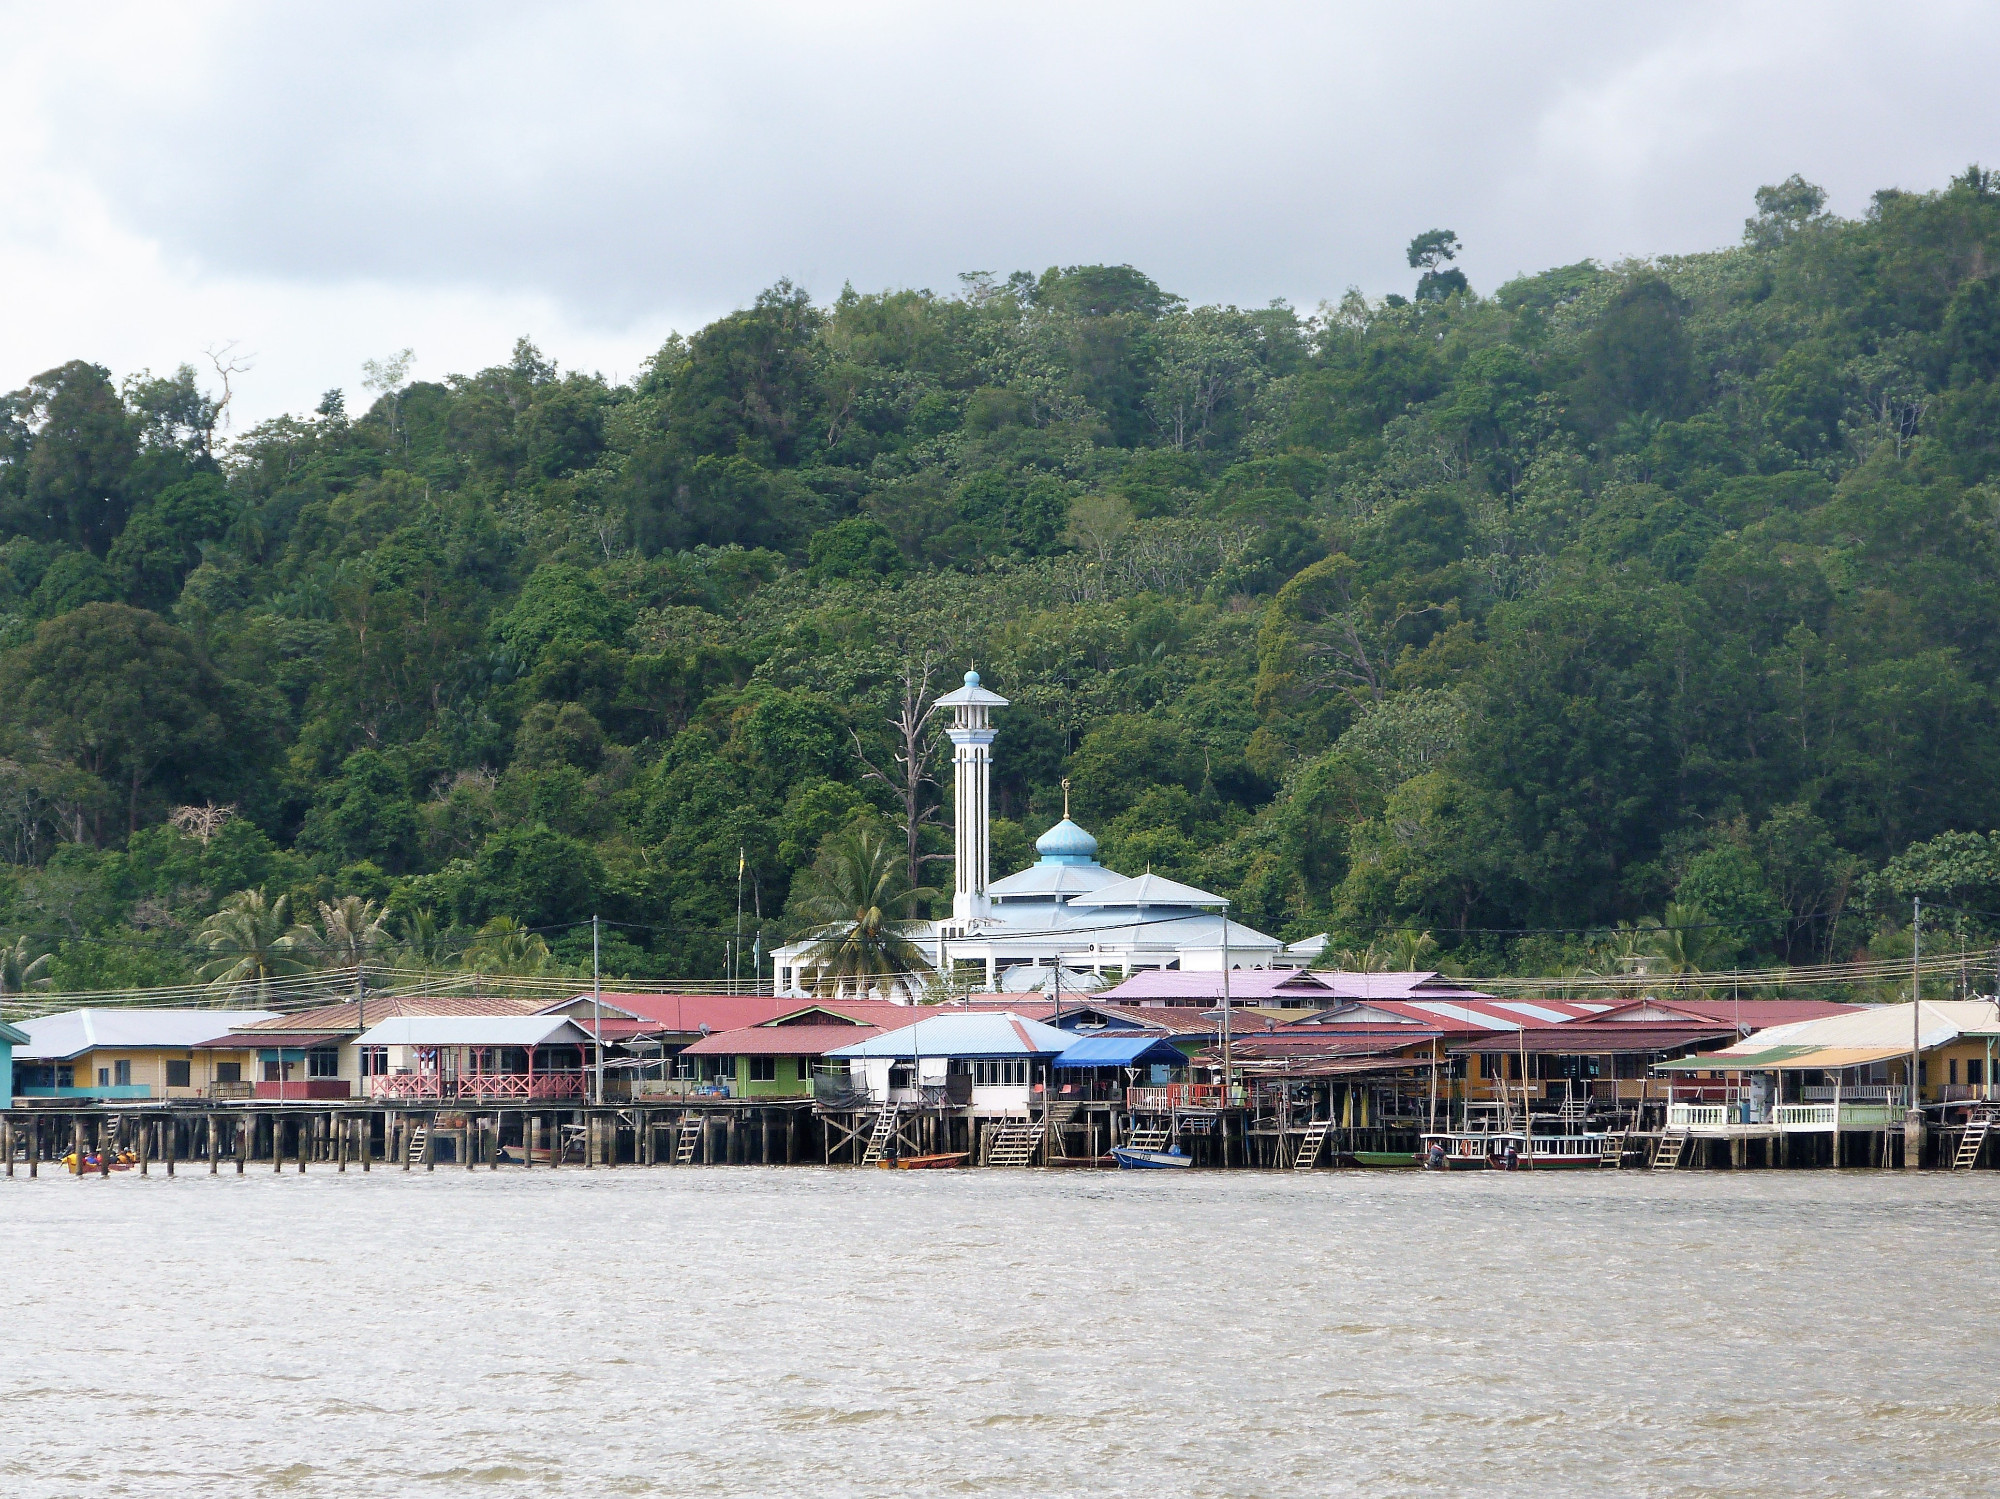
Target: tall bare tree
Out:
[913,757]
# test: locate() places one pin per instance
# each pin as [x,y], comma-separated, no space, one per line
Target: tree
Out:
[81,447]
[915,749]
[22,968]
[253,942]
[123,694]
[1429,253]
[859,902]
[346,931]
[504,946]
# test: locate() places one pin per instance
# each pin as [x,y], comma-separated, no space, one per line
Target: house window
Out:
[65,1077]
[274,1072]
[374,1061]
[178,1074]
[763,1069]
[999,1074]
[323,1061]
[1951,1068]
[229,1072]
[123,1073]
[1975,1072]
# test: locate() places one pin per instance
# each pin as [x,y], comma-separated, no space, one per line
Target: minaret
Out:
[972,776]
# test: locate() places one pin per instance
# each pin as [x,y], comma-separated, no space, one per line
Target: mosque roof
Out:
[1046,879]
[1067,843]
[1148,889]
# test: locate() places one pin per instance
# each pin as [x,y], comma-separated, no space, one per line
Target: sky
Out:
[308,186]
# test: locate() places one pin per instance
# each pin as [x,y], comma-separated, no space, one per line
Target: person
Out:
[1513,1156]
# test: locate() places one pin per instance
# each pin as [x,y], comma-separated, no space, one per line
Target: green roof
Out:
[1738,1061]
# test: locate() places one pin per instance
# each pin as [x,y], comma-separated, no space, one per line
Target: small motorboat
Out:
[512,1154]
[923,1162]
[1381,1160]
[1130,1159]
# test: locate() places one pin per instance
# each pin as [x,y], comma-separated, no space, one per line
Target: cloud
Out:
[326,183]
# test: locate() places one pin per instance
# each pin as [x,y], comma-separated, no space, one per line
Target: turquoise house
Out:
[10,1038]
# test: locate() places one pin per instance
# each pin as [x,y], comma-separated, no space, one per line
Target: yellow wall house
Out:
[117,1053]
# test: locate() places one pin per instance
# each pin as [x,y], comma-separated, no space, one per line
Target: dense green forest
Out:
[1664,591]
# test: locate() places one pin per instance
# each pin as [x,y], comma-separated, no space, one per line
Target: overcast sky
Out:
[326,183]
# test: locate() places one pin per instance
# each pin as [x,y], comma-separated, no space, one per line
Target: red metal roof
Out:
[1598,1039]
[1754,1014]
[780,1040]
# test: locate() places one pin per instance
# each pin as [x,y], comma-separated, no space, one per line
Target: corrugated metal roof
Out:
[1244,983]
[474,1030]
[1578,1038]
[1870,1033]
[347,1016]
[1002,1034]
[1146,889]
[251,1040]
[71,1033]
[778,1040]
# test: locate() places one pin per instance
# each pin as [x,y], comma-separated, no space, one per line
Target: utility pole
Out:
[597,1008]
[1227,1069]
[1916,991]
[736,951]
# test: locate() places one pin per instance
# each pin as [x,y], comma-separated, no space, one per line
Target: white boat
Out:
[1129,1159]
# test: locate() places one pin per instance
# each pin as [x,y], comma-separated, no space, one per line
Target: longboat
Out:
[1129,1159]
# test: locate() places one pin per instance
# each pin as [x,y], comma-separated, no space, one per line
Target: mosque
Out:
[1066,914]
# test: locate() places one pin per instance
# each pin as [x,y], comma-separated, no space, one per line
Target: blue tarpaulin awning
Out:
[1121,1051]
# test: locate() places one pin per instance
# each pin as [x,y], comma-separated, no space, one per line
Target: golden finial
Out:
[1065,785]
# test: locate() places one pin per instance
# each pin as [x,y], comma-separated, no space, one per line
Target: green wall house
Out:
[769,1061]
[9,1039]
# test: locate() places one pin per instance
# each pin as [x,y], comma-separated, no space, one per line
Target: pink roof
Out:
[1244,983]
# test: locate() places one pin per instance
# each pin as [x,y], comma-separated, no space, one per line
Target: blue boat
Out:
[1130,1158]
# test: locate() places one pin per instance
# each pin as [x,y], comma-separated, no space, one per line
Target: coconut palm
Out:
[252,940]
[503,945]
[1685,942]
[20,969]
[346,931]
[1410,949]
[423,942]
[859,899]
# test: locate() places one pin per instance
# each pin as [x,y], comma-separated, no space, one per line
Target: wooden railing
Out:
[1696,1115]
[1815,1117]
[498,1086]
[1170,1096]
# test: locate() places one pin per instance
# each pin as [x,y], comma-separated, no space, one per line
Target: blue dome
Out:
[972,679]
[1066,843]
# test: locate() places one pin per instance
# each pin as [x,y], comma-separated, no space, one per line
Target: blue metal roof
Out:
[1120,1051]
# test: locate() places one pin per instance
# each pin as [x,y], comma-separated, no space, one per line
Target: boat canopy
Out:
[1121,1051]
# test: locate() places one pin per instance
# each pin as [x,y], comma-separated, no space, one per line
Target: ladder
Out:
[1198,1124]
[1613,1156]
[1310,1146]
[1977,1123]
[1147,1139]
[1056,1120]
[1015,1144]
[885,1131]
[1668,1156]
[686,1141]
[419,1138]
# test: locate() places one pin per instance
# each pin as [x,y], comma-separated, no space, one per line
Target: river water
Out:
[808,1332]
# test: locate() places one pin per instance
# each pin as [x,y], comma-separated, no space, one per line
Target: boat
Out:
[512,1155]
[1381,1160]
[923,1162]
[1130,1159]
[1511,1150]
[1460,1150]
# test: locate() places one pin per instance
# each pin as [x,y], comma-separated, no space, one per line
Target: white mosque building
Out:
[1064,913]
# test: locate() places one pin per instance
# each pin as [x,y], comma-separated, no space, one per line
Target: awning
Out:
[1785,1059]
[1121,1051]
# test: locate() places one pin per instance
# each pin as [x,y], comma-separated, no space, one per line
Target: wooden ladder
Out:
[1147,1139]
[687,1141]
[1015,1144]
[1311,1145]
[419,1137]
[1056,1120]
[1668,1156]
[1977,1124]
[1612,1158]
[885,1131]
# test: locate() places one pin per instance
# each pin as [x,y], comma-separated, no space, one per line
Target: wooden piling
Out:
[7,1140]
[34,1148]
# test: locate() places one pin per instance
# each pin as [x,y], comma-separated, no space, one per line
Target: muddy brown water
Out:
[809,1332]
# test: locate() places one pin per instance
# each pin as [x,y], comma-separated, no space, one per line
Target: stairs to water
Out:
[1977,1126]
[1311,1146]
[687,1141]
[1015,1144]
[1668,1156]
[885,1131]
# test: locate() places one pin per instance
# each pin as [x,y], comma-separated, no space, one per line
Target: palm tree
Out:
[503,945]
[1411,948]
[1685,942]
[252,940]
[423,943]
[347,930]
[19,972]
[859,899]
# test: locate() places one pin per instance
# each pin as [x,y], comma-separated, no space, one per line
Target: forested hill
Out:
[1662,591]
